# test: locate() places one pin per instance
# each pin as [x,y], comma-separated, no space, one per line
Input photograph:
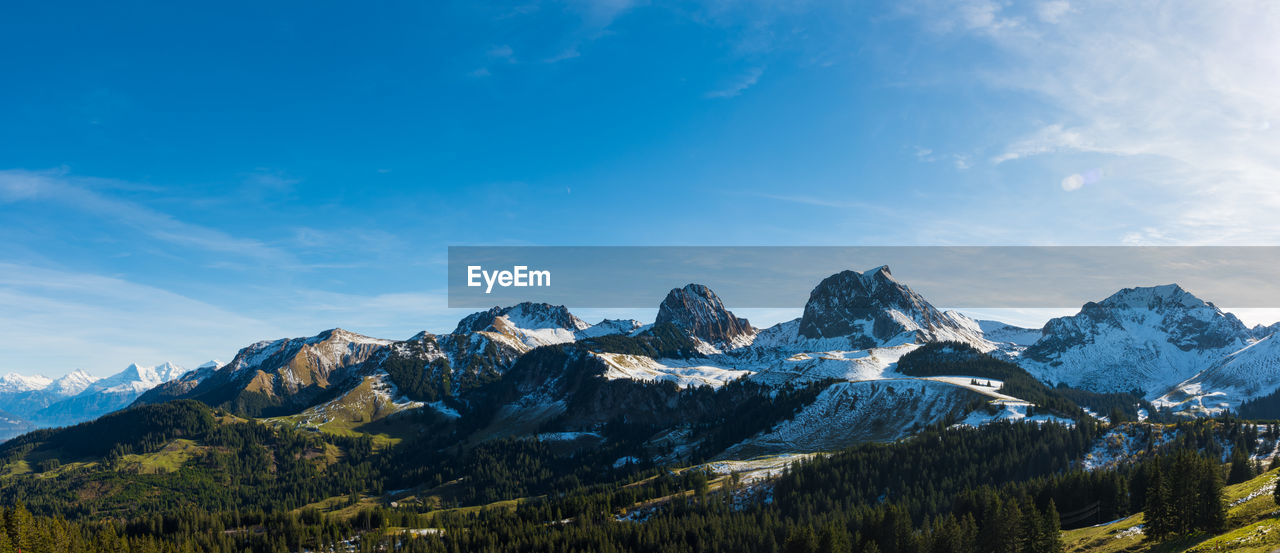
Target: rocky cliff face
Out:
[872,308]
[697,310]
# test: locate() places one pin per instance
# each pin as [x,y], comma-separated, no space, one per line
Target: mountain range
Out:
[537,368]
[30,402]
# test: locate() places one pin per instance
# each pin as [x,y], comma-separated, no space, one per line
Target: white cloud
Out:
[1053,10]
[1073,182]
[738,85]
[55,321]
[1184,89]
[80,194]
[502,52]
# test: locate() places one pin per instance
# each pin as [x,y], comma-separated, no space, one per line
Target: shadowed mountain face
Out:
[874,308]
[699,312]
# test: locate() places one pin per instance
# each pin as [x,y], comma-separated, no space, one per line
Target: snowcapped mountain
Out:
[13,383]
[26,396]
[136,379]
[608,327]
[699,312]
[533,324]
[838,363]
[98,397]
[1007,335]
[72,383]
[874,309]
[1146,339]
[1248,373]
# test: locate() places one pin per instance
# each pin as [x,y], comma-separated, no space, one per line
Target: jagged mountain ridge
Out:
[854,328]
[77,397]
[1146,339]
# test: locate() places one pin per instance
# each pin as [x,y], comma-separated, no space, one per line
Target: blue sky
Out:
[178,181]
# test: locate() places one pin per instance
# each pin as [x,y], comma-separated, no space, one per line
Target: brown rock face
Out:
[698,311]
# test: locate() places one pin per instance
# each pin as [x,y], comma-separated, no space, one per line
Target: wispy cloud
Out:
[1188,90]
[58,320]
[79,193]
[738,84]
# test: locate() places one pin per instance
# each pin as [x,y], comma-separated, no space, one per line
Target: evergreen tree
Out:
[1241,468]
[835,539]
[1157,513]
[801,540]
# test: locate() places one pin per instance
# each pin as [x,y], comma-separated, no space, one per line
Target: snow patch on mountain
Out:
[847,413]
[683,372]
[1011,411]
[817,365]
[609,327]
[1007,334]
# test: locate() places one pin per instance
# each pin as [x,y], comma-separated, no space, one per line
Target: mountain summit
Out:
[873,308]
[698,311]
[1145,338]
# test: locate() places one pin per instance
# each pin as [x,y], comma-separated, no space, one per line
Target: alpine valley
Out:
[874,422]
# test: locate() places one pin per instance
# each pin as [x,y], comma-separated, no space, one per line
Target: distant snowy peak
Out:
[872,308]
[527,315]
[72,383]
[531,324]
[609,327]
[1166,313]
[1004,333]
[1262,331]
[214,364]
[1137,339]
[136,379]
[17,383]
[698,311]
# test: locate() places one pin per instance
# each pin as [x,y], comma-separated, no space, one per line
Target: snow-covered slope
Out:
[1007,335]
[1145,339]
[13,383]
[609,327]
[1242,375]
[532,324]
[851,412]
[683,372]
[136,379]
[105,395]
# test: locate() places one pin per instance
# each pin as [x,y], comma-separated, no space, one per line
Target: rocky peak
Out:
[871,304]
[697,310]
[1166,312]
[527,315]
